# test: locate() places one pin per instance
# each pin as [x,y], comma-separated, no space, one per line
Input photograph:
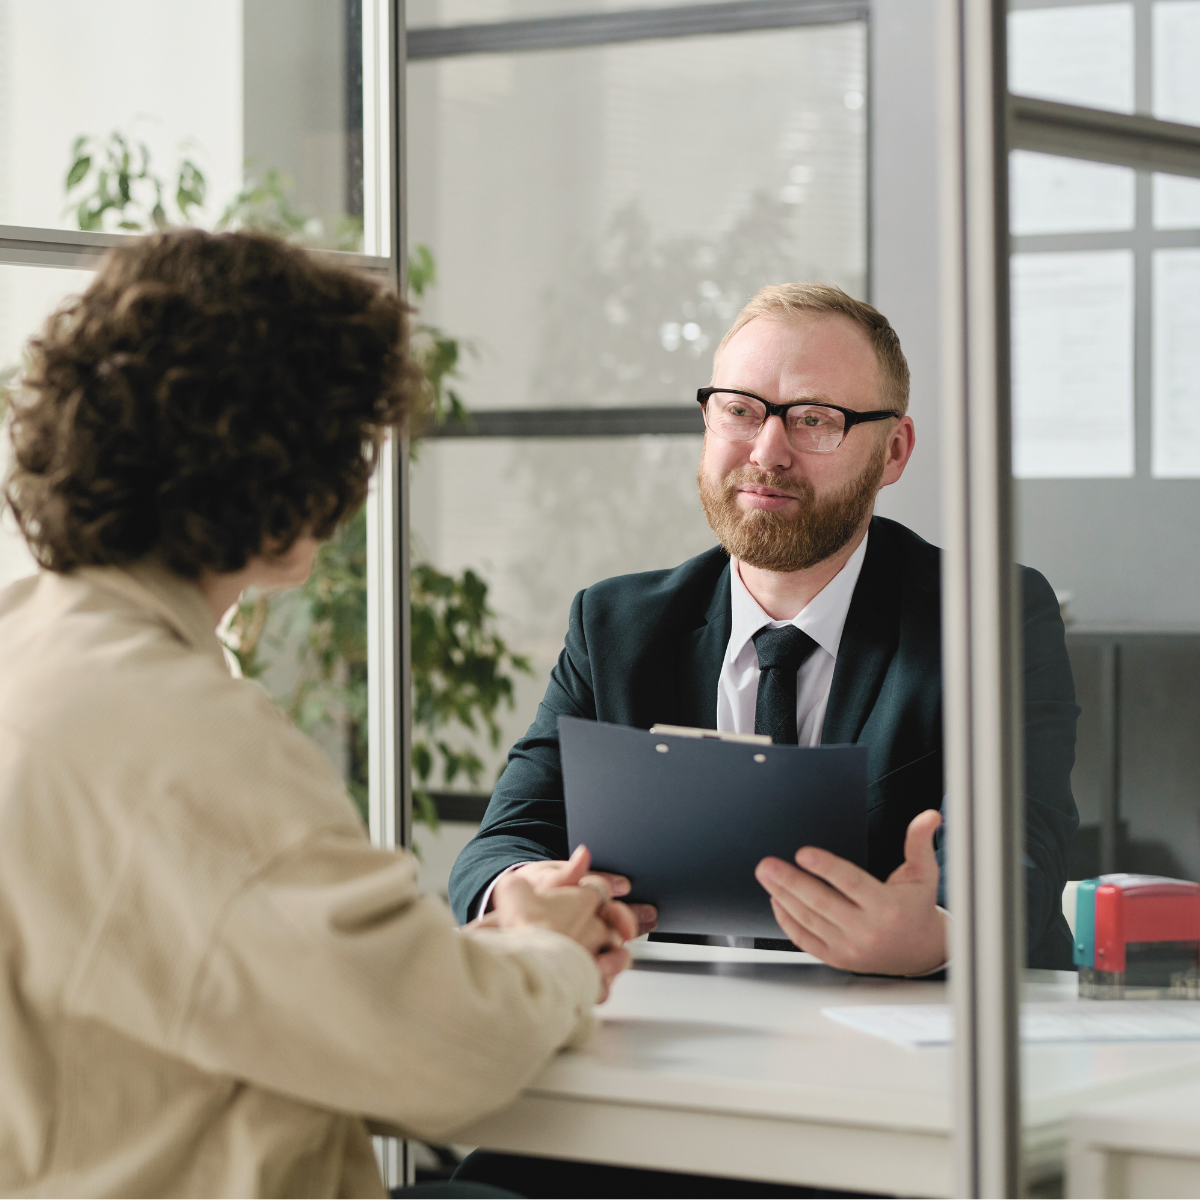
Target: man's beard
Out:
[778,541]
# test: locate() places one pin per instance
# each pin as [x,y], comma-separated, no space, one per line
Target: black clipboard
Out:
[688,818]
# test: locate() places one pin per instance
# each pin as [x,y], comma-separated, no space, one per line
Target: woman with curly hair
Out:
[210,980]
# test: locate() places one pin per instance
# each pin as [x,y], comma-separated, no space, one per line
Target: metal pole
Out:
[387,510]
[388,626]
[982,692]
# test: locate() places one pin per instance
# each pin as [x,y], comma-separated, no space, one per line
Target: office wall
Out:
[1128,550]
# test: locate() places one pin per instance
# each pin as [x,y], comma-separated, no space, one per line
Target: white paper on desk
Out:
[1079,1021]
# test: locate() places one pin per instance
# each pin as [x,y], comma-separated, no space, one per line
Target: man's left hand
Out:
[847,918]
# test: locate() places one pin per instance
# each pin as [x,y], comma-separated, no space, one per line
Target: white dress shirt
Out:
[823,619]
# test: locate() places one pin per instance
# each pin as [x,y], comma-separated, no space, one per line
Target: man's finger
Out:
[647,917]
[809,918]
[796,933]
[782,879]
[851,880]
[919,853]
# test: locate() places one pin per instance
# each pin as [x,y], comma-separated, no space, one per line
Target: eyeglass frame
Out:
[852,416]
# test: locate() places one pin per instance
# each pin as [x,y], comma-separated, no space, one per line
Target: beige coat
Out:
[208,976]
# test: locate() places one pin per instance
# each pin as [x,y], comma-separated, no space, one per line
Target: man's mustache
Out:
[798,489]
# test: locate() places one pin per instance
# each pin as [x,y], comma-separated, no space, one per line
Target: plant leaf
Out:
[79,168]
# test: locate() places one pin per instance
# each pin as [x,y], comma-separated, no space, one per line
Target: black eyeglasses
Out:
[737,416]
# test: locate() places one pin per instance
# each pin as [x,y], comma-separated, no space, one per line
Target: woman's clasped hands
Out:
[579,905]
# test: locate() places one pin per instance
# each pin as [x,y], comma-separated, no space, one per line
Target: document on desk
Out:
[1072,1021]
[689,817]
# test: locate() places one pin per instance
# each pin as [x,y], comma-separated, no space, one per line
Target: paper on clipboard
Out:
[721,735]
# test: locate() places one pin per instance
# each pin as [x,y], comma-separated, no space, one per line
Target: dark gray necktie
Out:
[781,653]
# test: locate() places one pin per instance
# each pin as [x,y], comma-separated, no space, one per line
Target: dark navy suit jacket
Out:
[648,648]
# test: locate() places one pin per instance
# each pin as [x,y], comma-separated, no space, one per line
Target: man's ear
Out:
[901,441]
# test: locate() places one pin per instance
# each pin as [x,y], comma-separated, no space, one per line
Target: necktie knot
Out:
[785,648]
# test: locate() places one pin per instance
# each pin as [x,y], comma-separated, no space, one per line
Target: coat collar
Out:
[702,651]
[869,640]
[175,601]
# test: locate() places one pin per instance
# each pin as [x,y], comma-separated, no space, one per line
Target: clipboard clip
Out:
[752,739]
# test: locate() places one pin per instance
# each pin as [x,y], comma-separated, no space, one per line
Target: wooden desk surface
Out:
[701,1049]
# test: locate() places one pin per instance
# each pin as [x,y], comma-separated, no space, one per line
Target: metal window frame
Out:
[29,246]
[981,688]
[389,715]
[629,25]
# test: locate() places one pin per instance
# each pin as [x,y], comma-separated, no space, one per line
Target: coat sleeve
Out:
[526,819]
[1051,817]
[1050,814]
[332,980]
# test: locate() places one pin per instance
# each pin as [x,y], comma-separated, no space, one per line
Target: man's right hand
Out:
[544,876]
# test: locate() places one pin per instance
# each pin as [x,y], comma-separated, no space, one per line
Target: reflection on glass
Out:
[1177,60]
[1176,363]
[1072,335]
[28,295]
[592,242]
[539,519]
[1078,55]
[238,88]
[1050,194]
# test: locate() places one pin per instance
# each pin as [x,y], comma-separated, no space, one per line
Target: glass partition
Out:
[586,222]
[1104,279]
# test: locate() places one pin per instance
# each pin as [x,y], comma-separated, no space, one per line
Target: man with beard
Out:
[815,622]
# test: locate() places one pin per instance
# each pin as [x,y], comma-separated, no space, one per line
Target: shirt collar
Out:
[174,600]
[823,618]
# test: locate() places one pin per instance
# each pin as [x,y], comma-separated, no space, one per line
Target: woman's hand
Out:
[581,908]
[542,876]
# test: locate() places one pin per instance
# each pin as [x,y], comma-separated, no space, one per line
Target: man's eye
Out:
[811,420]
[738,410]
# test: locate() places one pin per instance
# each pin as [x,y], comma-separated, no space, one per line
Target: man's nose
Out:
[772,451]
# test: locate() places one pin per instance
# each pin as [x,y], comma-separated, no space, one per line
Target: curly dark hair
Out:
[209,397]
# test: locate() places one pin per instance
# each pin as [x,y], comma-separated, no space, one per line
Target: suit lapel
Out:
[701,653]
[869,641]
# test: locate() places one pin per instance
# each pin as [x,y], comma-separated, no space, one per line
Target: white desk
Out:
[695,1056]
[1142,1145]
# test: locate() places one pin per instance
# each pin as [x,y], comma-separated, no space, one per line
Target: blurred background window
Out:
[255,94]
[27,296]
[594,217]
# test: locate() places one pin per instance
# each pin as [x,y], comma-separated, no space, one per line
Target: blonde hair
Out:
[782,300]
